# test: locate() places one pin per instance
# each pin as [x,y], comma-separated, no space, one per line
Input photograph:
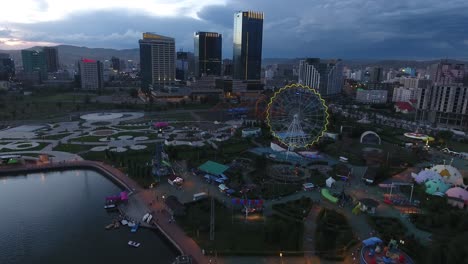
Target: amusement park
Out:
[286,174]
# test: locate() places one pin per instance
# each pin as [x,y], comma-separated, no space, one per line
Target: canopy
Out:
[426,175]
[223,187]
[372,241]
[330,182]
[457,192]
[434,186]
[161,124]
[213,168]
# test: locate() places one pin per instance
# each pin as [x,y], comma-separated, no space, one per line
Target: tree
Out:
[444,135]
[133,93]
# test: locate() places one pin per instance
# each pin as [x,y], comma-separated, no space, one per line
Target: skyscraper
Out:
[157,60]
[208,47]
[34,61]
[325,76]
[116,64]
[247,38]
[91,74]
[7,67]
[376,75]
[51,57]
[182,65]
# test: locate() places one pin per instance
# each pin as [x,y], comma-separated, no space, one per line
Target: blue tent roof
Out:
[371,241]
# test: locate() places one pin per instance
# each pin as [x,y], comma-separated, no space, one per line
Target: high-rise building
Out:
[325,76]
[208,50]
[182,65]
[376,75]
[51,57]
[402,94]
[116,64]
[371,96]
[247,38]
[445,103]
[157,61]
[34,61]
[7,67]
[91,74]
[227,67]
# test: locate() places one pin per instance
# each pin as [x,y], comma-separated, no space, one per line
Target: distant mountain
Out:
[69,55]
[395,64]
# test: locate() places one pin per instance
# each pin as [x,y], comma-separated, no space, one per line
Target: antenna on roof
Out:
[451,161]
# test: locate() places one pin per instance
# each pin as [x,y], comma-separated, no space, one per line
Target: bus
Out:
[199,196]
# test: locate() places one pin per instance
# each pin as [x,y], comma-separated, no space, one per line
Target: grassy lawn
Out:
[457,146]
[72,148]
[40,147]
[234,236]
[333,235]
[91,138]
[136,163]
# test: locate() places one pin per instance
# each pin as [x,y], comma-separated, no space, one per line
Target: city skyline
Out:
[345,29]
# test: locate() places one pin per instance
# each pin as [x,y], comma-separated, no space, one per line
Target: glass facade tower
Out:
[247,38]
[208,50]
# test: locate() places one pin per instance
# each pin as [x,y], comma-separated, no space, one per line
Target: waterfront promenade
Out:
[145,199]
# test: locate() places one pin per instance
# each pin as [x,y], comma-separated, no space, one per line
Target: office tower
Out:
[227,67]
[324,76]
[207,49]
[247,38]
[376,75]
[182,65]
[157,61]
[91,74]
[34,61]
[7,67]
[115,64]
[51,57]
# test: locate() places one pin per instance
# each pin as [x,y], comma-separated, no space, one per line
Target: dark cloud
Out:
[333,28]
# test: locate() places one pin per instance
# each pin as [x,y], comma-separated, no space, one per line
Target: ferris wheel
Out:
[297,116]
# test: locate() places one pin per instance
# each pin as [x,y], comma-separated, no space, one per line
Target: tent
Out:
[457,192]
[372,241]
[426,175]
[213,168]
[161,124]
[330,181]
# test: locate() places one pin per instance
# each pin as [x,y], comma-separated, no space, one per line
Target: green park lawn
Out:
[234,236]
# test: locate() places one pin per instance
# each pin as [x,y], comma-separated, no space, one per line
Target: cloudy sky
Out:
[416,29]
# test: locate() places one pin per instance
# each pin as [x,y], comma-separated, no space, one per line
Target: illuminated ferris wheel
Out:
[297,116]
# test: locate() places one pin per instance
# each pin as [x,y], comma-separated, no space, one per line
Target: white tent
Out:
[330,182]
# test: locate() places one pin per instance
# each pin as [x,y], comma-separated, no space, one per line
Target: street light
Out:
[281,257]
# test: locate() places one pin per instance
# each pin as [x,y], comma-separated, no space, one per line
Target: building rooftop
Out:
[213,168]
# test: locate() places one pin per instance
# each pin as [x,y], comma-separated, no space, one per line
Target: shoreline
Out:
[114,175]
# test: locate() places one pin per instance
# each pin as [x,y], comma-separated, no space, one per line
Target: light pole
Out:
[281,257]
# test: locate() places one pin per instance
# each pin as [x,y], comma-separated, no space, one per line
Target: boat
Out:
[109,206]
[124,222]
[135,228]
[131,224]
[109,226]
[133,244]
[145,217]
[149,219]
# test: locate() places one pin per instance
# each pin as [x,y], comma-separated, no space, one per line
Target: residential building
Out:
[402,94]
[51,58]
[325,76]
[157,61]
[371,96]
[445,102]
[247,39]
[34,61]
[208,51]
[91,74]
[182,65]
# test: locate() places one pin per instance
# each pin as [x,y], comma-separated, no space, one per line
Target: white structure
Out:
[370,137]
[371,96]
[329,182]
[450,174]
[251,132]
[402,94]
[91,74]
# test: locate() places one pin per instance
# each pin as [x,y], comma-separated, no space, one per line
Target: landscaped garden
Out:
[296,210]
